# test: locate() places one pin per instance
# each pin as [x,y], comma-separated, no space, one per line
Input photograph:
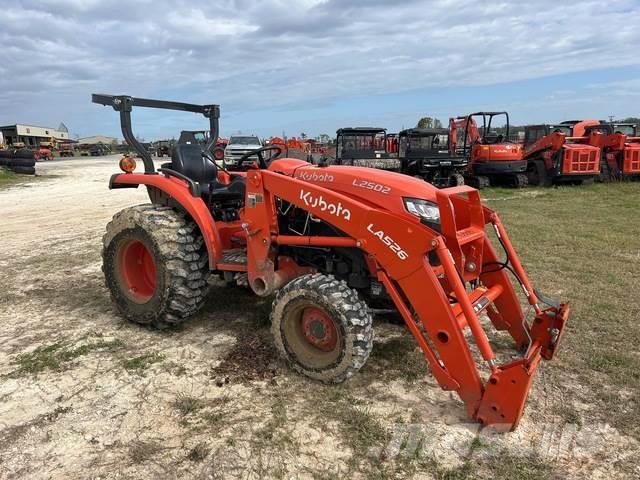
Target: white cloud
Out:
[265,54]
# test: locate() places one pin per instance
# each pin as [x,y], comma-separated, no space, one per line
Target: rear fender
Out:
[179,191]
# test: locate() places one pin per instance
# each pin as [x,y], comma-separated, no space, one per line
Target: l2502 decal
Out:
[376,187]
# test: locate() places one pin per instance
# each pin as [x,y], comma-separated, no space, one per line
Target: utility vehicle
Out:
[427,153]
[364,147]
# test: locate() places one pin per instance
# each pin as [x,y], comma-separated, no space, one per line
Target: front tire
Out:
[322,327]
[155,265]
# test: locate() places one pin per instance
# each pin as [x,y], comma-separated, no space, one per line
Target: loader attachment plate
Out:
[508,387]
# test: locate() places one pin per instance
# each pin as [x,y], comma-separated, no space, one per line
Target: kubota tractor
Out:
[326,240]
[426,153]
[493,159]
[563,153]
[620,150]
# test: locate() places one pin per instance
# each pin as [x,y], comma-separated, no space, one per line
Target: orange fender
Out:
[179,191]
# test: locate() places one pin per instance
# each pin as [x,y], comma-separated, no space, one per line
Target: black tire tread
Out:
[183,253]
[355,318]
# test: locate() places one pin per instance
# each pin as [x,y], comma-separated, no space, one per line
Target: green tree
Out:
[425,122]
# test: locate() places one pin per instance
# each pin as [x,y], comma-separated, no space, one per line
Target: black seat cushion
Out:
[189,160]
[233,191]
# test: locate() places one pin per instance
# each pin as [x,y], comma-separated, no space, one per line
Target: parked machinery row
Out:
[571,152]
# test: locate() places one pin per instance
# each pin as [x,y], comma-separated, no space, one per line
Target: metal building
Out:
[32,135]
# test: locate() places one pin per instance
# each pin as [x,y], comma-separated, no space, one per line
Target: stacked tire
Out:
[20,161]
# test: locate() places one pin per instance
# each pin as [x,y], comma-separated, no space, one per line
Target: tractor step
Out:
[234,259]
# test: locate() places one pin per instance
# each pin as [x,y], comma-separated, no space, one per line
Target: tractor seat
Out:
[189,160]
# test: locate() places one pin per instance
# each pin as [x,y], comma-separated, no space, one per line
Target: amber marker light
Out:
[127,164]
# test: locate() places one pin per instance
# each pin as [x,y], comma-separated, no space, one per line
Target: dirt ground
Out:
[84,394]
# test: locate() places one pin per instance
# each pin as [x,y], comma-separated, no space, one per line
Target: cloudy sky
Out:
[316,65]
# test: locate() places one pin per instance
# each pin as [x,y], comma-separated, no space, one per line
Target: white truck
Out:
[238,146]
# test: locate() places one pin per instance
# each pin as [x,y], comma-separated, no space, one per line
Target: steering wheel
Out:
[261,161]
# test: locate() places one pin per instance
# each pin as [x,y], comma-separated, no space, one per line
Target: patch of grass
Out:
[7,177]
[508,466]
[186,404]
[581,245]
[619,365]
[199,452]
[142,362]
[359,428]
[140,452]
[56,355]
[277,432]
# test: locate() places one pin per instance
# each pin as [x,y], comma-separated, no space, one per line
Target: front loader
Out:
[326,241]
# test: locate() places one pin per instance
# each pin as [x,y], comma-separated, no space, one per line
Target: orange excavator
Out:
[493,159]
[564,153]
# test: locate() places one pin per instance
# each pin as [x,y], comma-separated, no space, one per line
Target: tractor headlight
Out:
[425,210]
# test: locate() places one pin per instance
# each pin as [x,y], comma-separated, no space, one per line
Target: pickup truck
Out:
[238,146]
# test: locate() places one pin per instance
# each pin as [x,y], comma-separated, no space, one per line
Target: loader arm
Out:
[553,142]
[444,308]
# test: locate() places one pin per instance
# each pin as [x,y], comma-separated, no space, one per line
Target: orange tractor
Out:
[492,158]
[562,153]
[326,241]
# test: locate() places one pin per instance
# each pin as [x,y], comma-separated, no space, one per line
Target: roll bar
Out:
[124,104]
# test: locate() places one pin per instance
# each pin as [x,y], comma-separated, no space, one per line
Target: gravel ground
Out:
[84,394]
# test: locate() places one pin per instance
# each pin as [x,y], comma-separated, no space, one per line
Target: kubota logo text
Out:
[318,202]
[315,177]
[389,242]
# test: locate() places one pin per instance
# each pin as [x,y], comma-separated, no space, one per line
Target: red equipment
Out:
[492,158]
[43,154]
[393,143]
[325,239]
[620,150]
[562,153]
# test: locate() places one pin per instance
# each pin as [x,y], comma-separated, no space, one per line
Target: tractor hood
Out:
[401,194]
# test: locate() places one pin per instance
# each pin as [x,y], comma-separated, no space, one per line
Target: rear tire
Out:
[537,174]
[322,327]
[24,170]
[478,182]
[456,180]
[22,162]
[520,180]
[155,265]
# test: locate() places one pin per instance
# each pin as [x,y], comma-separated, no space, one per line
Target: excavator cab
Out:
[493,159]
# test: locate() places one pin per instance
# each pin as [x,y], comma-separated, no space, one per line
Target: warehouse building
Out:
[98,139]
[32,135]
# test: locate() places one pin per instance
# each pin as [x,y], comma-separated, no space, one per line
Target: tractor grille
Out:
[579,161]
[631,160]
